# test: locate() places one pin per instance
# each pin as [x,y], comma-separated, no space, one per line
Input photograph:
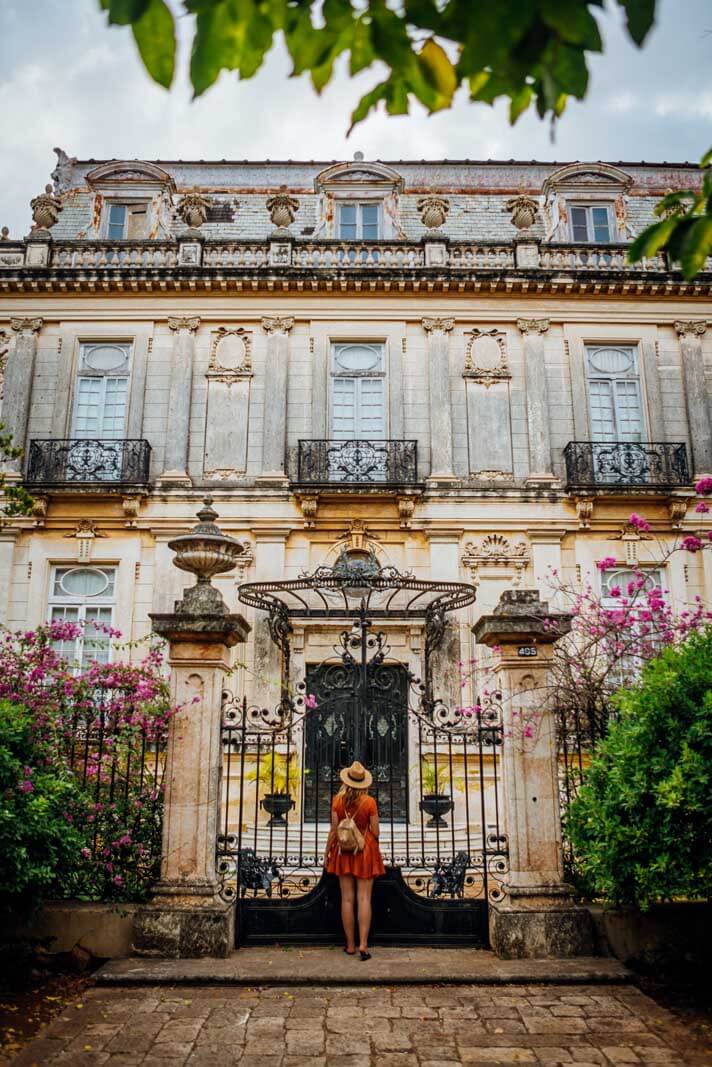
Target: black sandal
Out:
[365,956]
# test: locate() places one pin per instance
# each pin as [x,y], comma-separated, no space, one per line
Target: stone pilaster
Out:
[441,436]
[186,916]
[537,917]
[276,384]
[175,463]
[540,470]
[698,405]
[19,376]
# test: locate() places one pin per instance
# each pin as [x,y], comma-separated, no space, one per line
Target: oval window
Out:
[358,357]
[105,357]
[84,581]
[612,360]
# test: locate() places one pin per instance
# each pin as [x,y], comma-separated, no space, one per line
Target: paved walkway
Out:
[364,1026]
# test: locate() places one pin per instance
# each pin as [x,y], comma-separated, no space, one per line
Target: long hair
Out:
[350,795]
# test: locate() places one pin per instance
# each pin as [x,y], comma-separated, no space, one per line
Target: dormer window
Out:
[126,221]
[591,223]
[359,222]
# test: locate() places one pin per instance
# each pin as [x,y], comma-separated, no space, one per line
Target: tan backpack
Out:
[348,836]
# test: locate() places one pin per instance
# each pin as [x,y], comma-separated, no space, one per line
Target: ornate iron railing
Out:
[357,462]
[88,461]
[599,464]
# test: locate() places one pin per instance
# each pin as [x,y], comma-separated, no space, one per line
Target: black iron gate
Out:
[436,780]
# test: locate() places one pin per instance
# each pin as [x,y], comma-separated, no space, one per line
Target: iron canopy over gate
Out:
[435,769]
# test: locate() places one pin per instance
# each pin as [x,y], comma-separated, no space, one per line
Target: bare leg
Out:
[364,889]
[348,919]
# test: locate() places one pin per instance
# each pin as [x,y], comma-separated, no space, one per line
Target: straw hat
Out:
[356,776]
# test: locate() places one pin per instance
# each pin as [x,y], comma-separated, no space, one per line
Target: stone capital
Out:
[26,325]
[691,327]
[432,325]
[277,324]
[527,326]
[179,323]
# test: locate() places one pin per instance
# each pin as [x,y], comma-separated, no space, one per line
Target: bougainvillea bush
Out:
[90,742]
[641,824]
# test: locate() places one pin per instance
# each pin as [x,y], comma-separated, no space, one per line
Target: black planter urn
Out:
[277,805]
[436,805]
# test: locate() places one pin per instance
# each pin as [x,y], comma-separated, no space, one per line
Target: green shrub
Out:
[641,826]
[39,842]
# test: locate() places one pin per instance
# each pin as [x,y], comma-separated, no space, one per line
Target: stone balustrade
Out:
[328,255]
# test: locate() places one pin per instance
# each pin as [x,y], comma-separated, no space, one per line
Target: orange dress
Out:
[365,864]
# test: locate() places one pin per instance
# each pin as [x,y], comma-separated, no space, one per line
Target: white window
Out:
[359,222]
[623,583]
[126,221]
[614,393]
[84,595]
[101,394]
[591,223]
[358,409]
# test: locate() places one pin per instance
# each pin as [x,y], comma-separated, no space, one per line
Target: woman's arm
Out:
[374,825]
[332,832]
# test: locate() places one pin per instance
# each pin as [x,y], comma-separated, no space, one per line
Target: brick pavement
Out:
[364,1026]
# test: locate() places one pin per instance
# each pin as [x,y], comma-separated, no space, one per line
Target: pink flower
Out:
[310,701]
[704,486]
[26,786]
[702,508]
[615,590]
[691,543]
[638,522]
[86,853]
[607,563]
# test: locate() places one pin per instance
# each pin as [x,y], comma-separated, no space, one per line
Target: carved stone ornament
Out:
[523,211]
[277,325]
[5,233]
[62,173]
[177,324]
[433,211]
[193,209]
[497,551]
[584,511]
[26,325]
[435,325]
[677,510]
[131,506]
[230,356]
[406,510]
[245,561]
[532,325]
[309,506]
[85,533]
[692,328]
[282,208]
[486,356]
[45,209]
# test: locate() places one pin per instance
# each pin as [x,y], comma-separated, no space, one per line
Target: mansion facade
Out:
[451,360]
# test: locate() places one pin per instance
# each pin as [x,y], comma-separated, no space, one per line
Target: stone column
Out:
[537,917]
[175,462]
[18,386]
[540,470]
[186,916]
[441,438]
[698,407]
[276,382]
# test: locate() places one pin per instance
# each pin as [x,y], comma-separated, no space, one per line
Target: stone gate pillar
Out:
[537,917]
[186,916]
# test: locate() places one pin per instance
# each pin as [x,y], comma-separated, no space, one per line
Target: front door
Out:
[357,716]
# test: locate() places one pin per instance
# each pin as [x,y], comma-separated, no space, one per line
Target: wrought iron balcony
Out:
[604,464]
[357,462]
[88,461]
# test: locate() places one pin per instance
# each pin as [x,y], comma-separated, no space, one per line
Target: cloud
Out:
[67,79]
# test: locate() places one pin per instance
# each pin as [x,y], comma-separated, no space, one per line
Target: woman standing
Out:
[356,870]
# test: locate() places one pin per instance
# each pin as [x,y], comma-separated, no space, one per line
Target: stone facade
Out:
[484,328]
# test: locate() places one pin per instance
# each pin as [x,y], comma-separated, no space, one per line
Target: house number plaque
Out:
[526,650]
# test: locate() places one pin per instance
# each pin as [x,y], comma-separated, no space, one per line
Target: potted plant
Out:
[436,784]
[275,772]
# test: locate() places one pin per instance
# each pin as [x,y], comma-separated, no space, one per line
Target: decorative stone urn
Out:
[523,210]
[282,208]
[45,209]
[205,552]
[193,209]
[433,211]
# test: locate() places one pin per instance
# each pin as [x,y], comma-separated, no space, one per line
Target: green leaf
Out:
[569,69]
[124,12]
[696,248]
[651,240]
[640,15]
[520,102]
[154,33]
[706,160]
[367,103]
[573,22]
[439,72]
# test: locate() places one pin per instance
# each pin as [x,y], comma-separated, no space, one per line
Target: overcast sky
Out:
[68,80]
